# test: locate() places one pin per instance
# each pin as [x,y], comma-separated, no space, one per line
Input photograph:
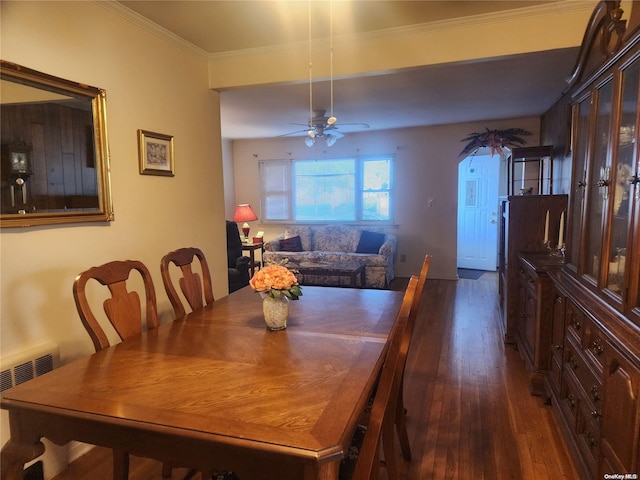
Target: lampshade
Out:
[244,213]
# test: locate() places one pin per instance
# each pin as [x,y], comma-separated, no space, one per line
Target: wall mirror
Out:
[54,154]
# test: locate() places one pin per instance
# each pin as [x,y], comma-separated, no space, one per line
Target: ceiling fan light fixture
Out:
[311,133]
[309,141]
[331,140]
[331,120]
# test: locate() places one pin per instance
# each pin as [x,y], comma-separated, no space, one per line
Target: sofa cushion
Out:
[293,244]
[370,242]
[302,231]
[336,238]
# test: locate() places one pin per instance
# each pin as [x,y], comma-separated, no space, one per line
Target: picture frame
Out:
[16,161]
[156,155]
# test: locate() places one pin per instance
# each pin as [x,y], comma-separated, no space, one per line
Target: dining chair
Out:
[197,292]
[123,310]
[363,459]
[400,420]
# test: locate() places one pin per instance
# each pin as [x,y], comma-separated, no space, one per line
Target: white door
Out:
[478,219]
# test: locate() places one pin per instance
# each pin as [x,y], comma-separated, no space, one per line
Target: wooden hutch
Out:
[583,313]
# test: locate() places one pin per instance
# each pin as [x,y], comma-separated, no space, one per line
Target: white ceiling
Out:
[508,87]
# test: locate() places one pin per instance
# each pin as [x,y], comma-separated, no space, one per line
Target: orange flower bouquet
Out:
[276,280]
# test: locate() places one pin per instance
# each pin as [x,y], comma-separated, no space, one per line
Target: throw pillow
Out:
[303,231]
[293,244]
[370,242]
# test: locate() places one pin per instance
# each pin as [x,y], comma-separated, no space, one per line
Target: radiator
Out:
[26,365]
[20,368]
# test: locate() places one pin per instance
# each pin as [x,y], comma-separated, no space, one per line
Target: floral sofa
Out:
[335,244]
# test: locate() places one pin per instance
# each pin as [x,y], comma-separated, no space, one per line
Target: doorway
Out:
[478,219]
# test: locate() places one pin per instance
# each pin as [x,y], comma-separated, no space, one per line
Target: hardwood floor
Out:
[470,414]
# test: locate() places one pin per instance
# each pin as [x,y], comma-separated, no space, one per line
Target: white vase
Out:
[276,312]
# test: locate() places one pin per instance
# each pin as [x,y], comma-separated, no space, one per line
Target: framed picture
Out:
[156,153]
[16,160]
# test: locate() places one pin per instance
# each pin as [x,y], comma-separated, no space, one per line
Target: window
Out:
[337,190]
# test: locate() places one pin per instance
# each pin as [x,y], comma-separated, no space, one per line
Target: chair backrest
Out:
[424,271]
[197,292]
[384,403]
[123,309]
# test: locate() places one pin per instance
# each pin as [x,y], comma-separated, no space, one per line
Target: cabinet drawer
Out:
[575,322]
[589,382]
[594,346]
[569,399]
[528,279]
[588,438]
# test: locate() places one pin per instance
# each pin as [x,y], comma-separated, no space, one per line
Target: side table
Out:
[251,248]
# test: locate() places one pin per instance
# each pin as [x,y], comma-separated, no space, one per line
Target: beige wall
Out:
[150,85]
[426,166]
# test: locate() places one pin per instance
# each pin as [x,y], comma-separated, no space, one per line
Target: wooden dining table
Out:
[216,390]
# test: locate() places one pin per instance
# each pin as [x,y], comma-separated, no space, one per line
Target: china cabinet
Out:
[523,229]
[604,211]
[530,171]
[594,352]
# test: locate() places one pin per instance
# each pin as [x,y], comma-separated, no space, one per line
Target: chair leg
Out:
[120,465]
[388,448]
[401,427]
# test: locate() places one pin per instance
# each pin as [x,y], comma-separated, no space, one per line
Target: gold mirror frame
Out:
[16,179]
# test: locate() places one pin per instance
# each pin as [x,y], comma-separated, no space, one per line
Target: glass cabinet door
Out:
[621,187]
[599,179]
[580,133]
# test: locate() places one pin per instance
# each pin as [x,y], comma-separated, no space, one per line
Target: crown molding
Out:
[152,27]
[488,19]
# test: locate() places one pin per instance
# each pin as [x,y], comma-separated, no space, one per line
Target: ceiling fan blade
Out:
[294,133]
[363,125]
[334,132]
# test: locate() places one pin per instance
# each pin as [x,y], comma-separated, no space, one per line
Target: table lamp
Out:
[244,213]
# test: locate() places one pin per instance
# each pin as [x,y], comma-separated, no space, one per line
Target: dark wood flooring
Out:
[470,414]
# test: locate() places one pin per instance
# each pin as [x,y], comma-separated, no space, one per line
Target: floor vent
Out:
[31,363]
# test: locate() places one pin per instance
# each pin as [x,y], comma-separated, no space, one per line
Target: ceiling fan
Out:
[322,126]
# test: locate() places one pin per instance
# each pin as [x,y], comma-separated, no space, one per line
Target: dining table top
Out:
[216,389]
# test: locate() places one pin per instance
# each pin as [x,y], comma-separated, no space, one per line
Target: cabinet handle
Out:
[572,399]
[634,181]
[557,346]
[597,347]
[595,393]
[574,363]
[590,439]
[596,414]
[576,324]
[604,182]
